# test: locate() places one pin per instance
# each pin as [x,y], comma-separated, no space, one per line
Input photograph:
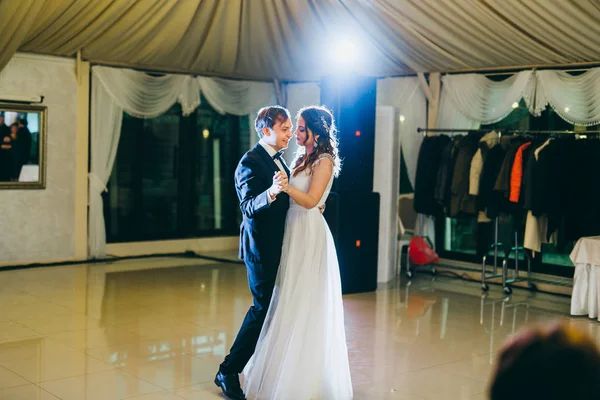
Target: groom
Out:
[260,178]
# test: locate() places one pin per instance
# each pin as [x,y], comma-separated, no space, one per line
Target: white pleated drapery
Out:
[450,117]
[408,99]
[145,96]
[115,91]
[575,98]
[469,100]
[106,119]
[236,97]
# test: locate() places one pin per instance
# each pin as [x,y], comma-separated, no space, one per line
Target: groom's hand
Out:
[281,180]
[280,183]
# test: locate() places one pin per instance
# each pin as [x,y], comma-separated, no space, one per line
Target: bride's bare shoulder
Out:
[326,156]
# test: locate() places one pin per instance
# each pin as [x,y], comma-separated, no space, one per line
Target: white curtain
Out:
[479,100]
[117,90]
[409,102]
[450,117]
[106,118]
[145,96]
[114,91]
[238,98]
[575,98]
[470,100]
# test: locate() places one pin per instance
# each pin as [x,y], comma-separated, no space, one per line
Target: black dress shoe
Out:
[230,385]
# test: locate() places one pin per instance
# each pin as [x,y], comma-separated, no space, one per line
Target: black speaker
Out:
[352,212]
[354,225]
[353,101]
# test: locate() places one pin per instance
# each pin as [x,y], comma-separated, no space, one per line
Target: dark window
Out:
[173,176]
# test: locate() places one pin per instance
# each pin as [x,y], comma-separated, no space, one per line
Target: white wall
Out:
[204,246]
[386,182]
[50,225]
[40,224]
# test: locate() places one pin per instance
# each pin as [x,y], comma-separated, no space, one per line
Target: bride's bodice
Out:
[302,183]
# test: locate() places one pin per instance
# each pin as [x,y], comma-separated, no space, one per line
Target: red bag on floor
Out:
[420,252]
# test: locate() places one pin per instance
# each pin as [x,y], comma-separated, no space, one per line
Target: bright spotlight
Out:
[515,105]
[346,50]
[205,133]
[344,53]
[402,118]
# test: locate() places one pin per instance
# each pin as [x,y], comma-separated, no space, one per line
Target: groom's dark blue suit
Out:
[261,239]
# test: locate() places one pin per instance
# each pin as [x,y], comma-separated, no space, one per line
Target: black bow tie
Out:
[278,155]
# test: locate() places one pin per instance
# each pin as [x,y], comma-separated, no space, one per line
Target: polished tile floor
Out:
[157,329]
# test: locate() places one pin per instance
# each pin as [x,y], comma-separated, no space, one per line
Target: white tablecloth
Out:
[586,283]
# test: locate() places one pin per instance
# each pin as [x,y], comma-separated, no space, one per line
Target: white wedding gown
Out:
[301,353]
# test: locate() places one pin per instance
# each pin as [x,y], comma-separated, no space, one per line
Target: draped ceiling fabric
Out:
[288,39]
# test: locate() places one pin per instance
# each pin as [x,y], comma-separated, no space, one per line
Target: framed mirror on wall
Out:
[23,130]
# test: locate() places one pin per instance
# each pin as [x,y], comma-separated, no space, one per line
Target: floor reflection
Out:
[159,329]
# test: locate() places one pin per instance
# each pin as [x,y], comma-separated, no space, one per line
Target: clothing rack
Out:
[421,219]
[494,274]
[508,131]
[496,244]
[441,130]
[528,132]
[516,249]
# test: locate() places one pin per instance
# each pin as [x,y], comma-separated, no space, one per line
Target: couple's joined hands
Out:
[281,184]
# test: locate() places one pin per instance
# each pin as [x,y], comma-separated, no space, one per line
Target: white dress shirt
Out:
[271,151]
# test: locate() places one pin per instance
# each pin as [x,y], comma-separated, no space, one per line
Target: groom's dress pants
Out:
[261,279]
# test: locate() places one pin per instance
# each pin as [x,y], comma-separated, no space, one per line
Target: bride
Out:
[301,353]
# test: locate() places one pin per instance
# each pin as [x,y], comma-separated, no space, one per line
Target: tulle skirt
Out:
[301,353]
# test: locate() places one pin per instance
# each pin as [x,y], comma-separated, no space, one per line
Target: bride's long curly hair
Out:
[319,120]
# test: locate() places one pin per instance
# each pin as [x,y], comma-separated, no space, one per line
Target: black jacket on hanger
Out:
[443,186]
[428,164]
[488,200]
[462,202]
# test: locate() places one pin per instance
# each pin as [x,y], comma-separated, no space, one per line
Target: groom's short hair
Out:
[268,116]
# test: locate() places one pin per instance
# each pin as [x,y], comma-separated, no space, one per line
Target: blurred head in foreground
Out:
[551,363]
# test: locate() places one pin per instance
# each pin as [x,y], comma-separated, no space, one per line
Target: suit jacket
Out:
[488,200]
[443,186]
[261,231]
[4,131]
[428,165]
[24,145]
[461,201]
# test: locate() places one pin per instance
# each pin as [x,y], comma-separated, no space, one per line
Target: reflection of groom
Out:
[4,130]
[264,207]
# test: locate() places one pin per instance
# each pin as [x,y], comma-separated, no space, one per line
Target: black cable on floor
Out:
[465,277]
